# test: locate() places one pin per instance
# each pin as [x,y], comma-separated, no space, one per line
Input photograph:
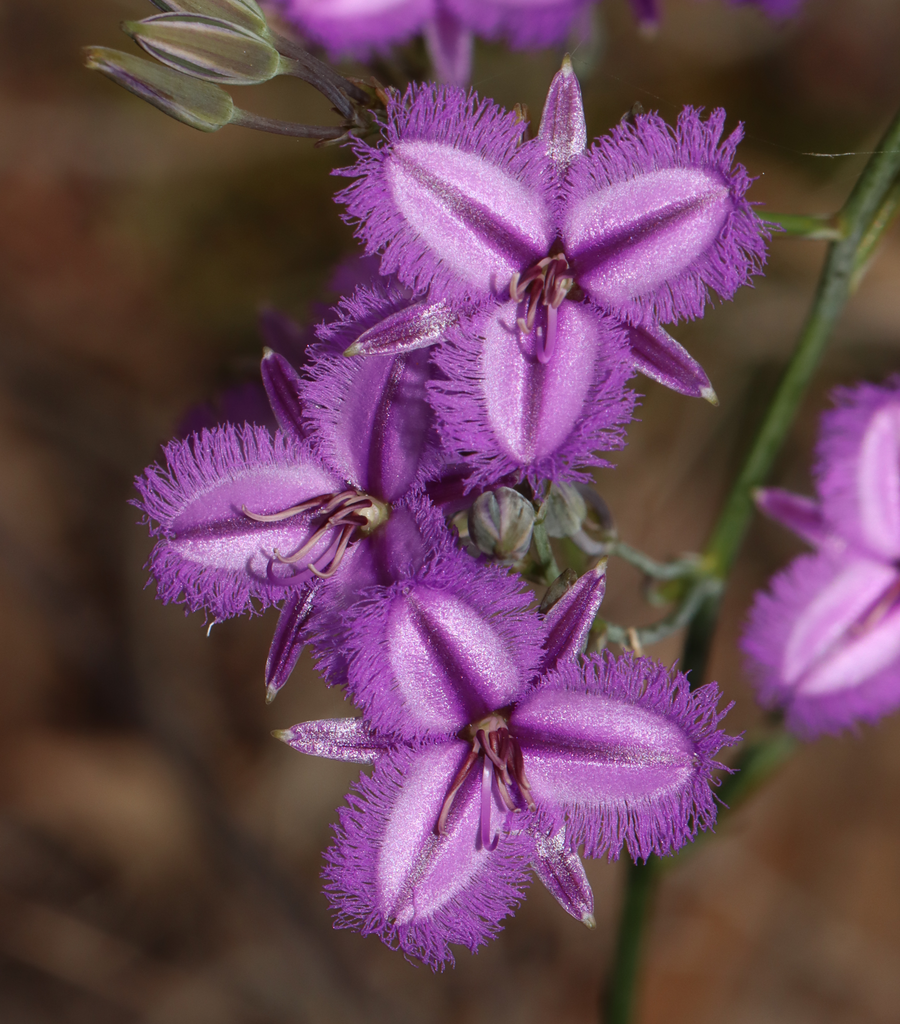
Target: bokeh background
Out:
[159,851]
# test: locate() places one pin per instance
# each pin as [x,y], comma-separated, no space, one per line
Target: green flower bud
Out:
[206,48]
[564,511]
[243,13]
[500,524]
[199,104]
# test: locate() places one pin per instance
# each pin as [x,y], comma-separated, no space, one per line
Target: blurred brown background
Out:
[159,852]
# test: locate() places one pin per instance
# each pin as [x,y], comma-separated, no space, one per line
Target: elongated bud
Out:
[243,13]
[199,104]
[500,524]
[206,48]
[564,511]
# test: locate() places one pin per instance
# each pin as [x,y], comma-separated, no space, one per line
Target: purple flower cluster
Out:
[361,28]
[522,283]
[824,641]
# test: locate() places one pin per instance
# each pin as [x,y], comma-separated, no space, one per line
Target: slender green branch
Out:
[677,569]
[884,218]
[677,619]
[802,226]
[548,570]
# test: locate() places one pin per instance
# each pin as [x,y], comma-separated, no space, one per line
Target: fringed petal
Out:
[622,751]
[388,873]
[656,217]
[858,467]
[440,648]
[370,414]
[507,413]
[824,643]
[452,200]
[210,554]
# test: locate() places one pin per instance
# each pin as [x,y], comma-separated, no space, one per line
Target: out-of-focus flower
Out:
[491,736]
[824,641]
[247,519]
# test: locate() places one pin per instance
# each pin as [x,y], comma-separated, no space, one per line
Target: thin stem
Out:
[674,570]
[618,1000]
[324,133]
[677,619]
[546,563]
[802,226]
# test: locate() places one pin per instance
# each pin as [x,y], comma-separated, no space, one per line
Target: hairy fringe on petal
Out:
[770,622]
[356,641]
[838,451]
[461,406]
[431,113]
[647,825]
[194,467]
[469,918]
[650,145]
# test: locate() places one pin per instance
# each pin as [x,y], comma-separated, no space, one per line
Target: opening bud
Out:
[243,13]
[564,511]
[199,104]
[500,524]
[207,48]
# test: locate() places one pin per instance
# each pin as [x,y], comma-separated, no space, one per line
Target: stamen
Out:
[325,574]
[277,517]
[455,787]
[307,547]
[487,773]
[547,341]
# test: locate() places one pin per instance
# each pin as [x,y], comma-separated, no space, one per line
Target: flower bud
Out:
[500,524]
[198,104]
[206,48]
[243,13]
[564,511]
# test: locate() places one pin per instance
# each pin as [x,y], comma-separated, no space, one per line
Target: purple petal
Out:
[210,554]
[801,515]
[858,467]
[563,133]
[357,27]
[646,12]
[824,643]
[449,44]
[390,874]
[452,199]
[438,651]
[371,417]
[658,355]
[774,8]
[282,384]
[416,325]
[508,413]
[524,24]
[289,639]
[341,739]
[563,875]
[568,623]
[622,750]
[656,217]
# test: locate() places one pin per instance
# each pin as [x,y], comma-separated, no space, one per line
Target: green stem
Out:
[674,570]
[619,998]
[816,228]
[855,222]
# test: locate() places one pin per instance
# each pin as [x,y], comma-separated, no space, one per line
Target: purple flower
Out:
[246,519]
[824,641]
[496,745]
[640,227]
[363,27]
[564,262]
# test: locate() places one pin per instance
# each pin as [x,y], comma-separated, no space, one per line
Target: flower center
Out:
[502,761]
[544,284]
[351,513]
